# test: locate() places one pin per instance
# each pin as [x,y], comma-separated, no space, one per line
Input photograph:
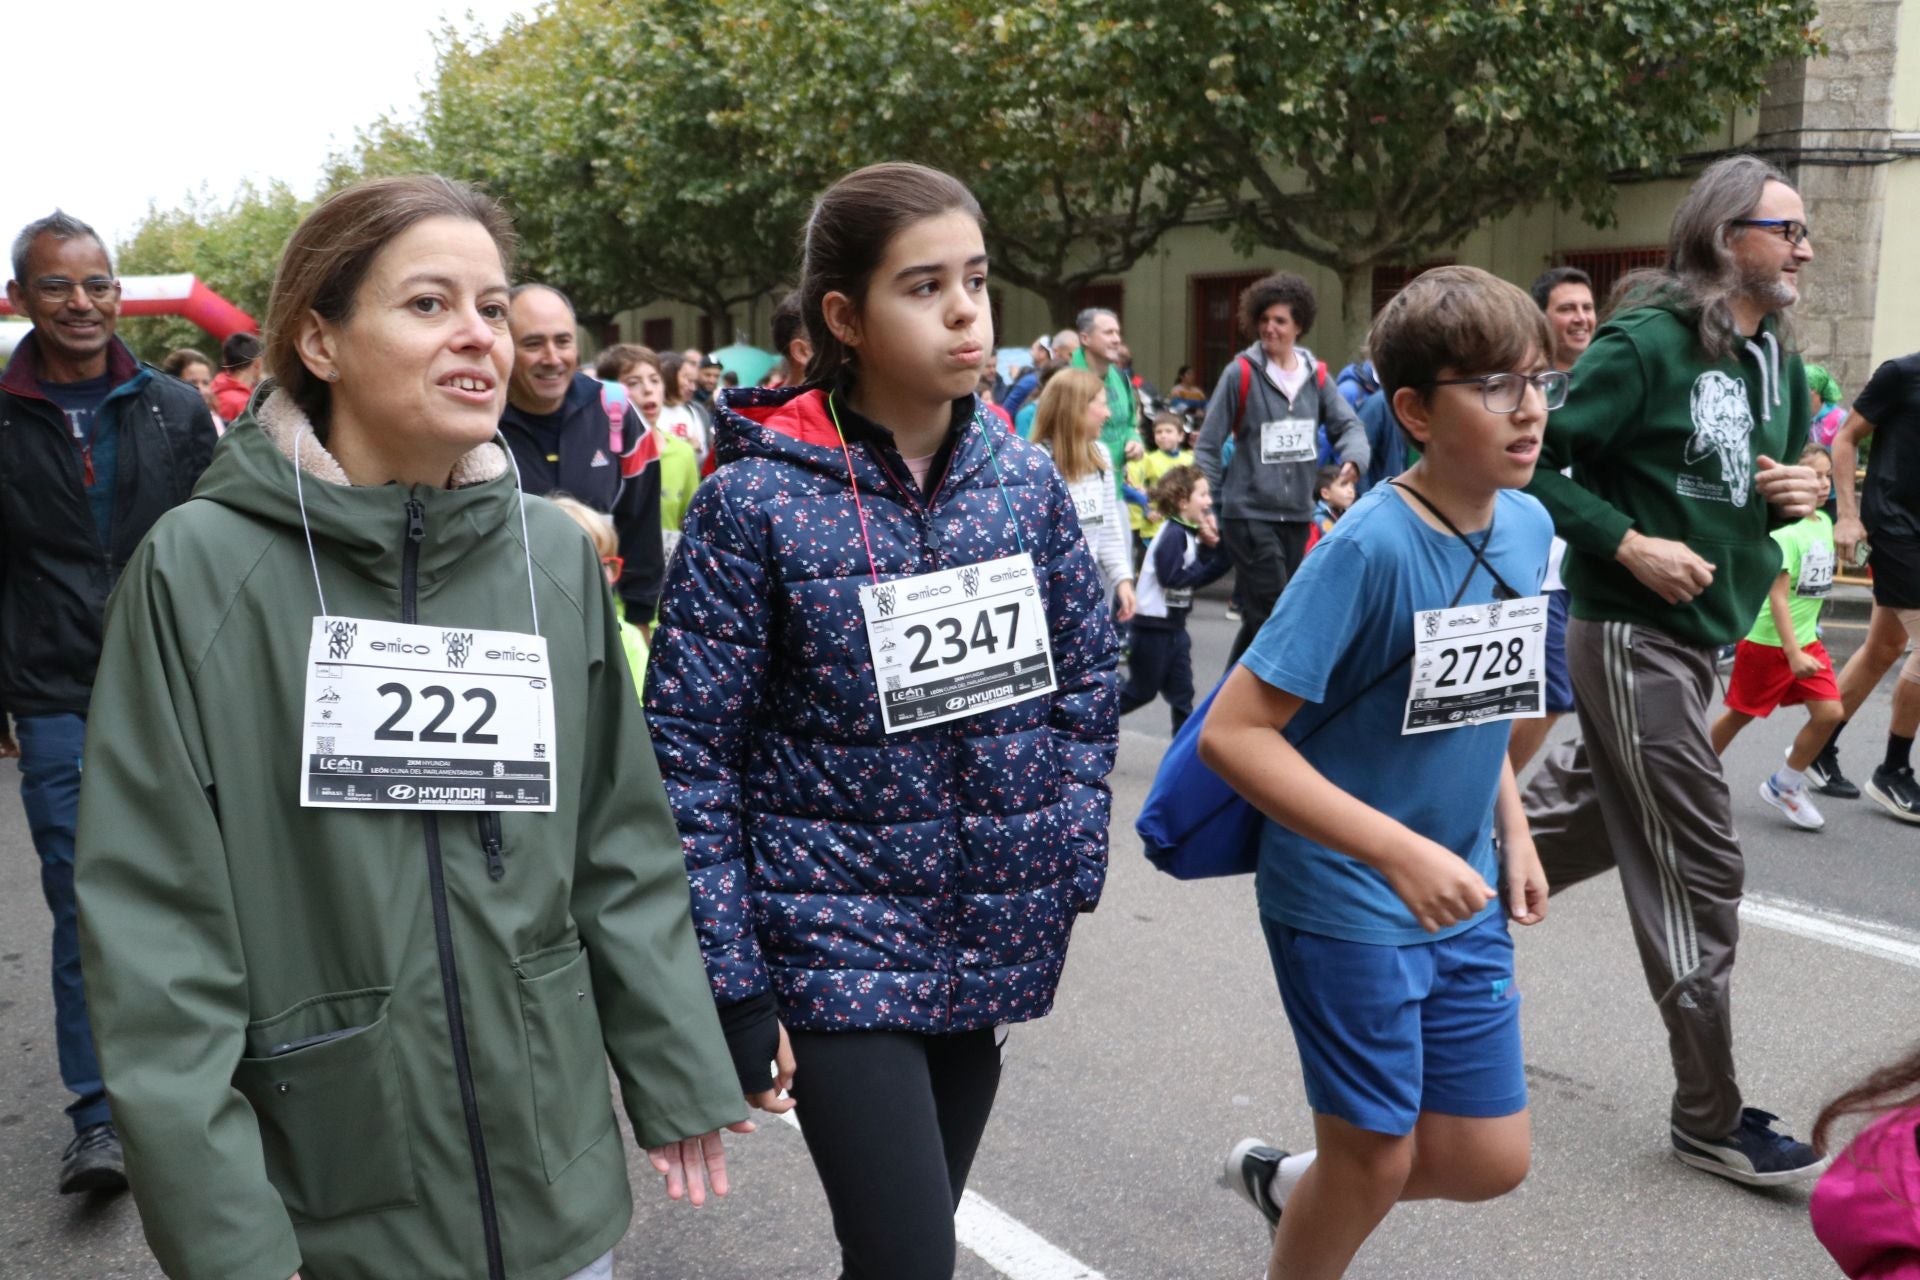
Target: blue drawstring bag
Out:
[1193,824]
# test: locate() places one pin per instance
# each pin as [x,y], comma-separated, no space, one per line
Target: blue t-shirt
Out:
[1347,616]
[92,432]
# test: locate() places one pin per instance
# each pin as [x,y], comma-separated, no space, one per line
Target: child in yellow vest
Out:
[1143,473]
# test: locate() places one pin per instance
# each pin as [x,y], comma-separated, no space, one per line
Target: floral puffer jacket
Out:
[925,880]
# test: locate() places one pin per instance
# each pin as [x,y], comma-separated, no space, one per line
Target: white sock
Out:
[1287,1176]
[1788,778]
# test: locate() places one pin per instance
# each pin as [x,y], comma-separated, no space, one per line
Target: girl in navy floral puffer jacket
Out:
[878,893]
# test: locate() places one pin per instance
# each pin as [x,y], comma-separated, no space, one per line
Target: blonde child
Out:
[599,527]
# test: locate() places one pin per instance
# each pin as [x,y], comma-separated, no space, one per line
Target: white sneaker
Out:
[1796,804]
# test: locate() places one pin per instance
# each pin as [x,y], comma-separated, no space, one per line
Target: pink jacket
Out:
[1866,1209]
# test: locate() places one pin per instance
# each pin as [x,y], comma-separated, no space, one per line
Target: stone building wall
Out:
[1828,123]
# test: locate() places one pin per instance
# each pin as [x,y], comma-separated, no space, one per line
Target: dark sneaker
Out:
[1753,1154]
[1897,792]
[1824,776]
[93,1162]
[1249,1174]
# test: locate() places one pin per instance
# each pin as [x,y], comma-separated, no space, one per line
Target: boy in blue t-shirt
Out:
[1387,853]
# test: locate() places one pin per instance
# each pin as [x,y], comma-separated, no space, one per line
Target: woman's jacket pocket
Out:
[572,1100]
[325,1088]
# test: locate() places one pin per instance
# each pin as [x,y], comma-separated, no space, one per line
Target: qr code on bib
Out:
[324,746]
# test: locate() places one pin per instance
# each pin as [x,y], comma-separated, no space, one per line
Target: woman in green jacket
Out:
[375,869]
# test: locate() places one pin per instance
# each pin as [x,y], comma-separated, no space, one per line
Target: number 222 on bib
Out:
[957,642]
[1476,663]
[399,716]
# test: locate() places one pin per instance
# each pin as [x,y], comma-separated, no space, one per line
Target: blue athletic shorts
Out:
[1559,683]
[1388,1032]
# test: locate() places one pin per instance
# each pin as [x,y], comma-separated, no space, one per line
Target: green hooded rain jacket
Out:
[486,966]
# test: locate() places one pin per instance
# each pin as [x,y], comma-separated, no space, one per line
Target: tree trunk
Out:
[721,318]
[1356,295]
[1060,308]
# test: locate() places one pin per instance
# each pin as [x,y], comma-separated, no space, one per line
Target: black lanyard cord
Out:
[1479,552]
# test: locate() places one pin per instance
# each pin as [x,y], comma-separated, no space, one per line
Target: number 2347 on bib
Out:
[957,642]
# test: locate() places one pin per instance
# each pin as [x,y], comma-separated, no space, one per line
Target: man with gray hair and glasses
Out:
[94,447]
[1679,415]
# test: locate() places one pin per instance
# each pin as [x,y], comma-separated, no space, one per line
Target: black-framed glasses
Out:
[1792,230]
[1501,392]
[57,289]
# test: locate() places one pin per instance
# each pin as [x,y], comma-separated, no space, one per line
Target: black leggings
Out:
[892,1120]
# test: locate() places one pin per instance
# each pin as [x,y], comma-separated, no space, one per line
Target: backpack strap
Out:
[1246,388]
[613,399]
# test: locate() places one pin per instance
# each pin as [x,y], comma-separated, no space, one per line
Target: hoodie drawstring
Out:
[1770,371]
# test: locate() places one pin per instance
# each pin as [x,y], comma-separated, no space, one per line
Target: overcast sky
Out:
[111,105]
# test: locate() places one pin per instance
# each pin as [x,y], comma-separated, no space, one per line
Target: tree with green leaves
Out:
[602,125]
[1358,134]
[1035,116]
[234,248]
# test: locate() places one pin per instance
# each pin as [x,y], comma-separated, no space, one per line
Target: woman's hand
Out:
[771,1100]
[1123,610]
[691,1163]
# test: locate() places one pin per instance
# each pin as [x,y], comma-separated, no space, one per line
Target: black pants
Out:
[1266,554]
[892,1120]
[1161,663]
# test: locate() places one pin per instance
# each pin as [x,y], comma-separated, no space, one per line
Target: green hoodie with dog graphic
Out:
[1664,440]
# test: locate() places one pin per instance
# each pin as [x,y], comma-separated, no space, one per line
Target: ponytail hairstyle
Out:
[847,236]
[1059,424]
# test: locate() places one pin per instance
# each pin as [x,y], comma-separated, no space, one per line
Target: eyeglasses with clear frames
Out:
[1792,230]
[57,289]
[1501,392]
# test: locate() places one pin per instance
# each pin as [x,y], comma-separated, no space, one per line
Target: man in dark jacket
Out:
[560,429]
[94,447]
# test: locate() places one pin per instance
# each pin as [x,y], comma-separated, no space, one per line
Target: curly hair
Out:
[1282,287]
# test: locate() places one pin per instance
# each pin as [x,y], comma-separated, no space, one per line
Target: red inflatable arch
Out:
[180,295]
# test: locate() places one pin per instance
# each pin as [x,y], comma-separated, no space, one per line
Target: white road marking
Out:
[1868,937]
[1010,1248]
[1005,1243]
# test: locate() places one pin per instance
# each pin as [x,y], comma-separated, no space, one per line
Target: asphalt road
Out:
[1168,1044]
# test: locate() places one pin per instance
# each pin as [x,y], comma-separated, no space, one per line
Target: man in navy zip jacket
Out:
[557,424]
[94,447]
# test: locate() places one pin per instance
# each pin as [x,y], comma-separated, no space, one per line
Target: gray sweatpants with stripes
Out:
[1642,791]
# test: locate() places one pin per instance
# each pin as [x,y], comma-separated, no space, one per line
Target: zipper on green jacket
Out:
[443,936]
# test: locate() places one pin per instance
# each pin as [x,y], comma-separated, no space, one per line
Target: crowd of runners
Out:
[455,721]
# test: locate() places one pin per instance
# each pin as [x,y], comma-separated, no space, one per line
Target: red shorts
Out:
[1762,680]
